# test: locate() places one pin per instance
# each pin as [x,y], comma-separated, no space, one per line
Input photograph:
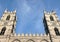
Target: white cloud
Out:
[25,8]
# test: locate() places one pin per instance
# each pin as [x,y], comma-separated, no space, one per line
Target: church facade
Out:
[8,26]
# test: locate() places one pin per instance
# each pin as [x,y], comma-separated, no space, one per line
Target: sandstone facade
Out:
[8,26]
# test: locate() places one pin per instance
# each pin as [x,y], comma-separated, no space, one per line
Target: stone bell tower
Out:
[52,25]
[7,23]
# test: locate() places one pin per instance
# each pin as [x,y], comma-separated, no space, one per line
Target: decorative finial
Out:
[30,34]
[45,11]
[6,10]
[26,34]
[18,34]
[22,34]
[15,11]
[53,12]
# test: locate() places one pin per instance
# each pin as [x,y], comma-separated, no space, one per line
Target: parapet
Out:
[32,35]
[6,11]
[52,12]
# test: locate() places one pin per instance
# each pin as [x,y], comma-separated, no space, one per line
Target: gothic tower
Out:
[52,25]
[7,23]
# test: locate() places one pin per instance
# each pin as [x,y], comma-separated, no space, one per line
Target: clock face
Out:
[16,40]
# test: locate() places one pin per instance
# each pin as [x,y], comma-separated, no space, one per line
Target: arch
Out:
[16,40]
[3,31]
[12,28]
[30,40]
[56,31]
[8,17]
[15,18]
[51,18]
[44,40]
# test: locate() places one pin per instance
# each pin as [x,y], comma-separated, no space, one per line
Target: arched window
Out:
[3,31]
[30,40]
[51,18]
[16,40]
[12,28]
[8,17]
[56,31]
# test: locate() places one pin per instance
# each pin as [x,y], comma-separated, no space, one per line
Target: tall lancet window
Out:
[56,31]
[3,31]
[15,18]
[51,18]
[8,17]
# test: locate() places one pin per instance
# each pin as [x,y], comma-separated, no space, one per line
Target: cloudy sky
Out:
[30,13]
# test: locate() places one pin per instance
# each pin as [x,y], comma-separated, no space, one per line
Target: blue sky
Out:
[30,13]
